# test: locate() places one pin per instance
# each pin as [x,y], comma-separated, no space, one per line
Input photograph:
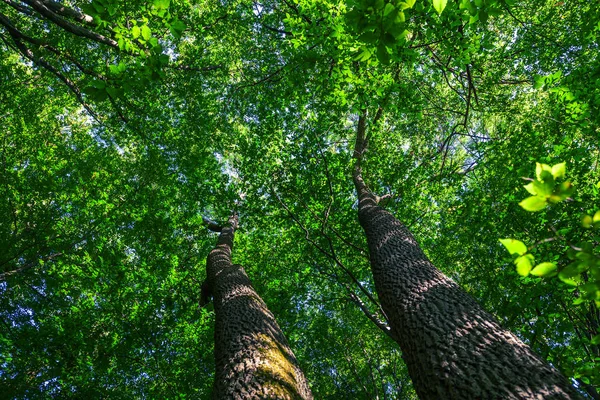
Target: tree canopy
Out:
[127,126]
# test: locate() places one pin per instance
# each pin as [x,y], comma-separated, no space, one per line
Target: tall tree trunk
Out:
[452,347]
[253,359]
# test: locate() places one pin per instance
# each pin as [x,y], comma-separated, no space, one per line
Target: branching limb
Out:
[28,266]
[26,52]
[212,225]
[382,325]
[19,7]
[69,12]
[40,7]
[331,255]
[383,200]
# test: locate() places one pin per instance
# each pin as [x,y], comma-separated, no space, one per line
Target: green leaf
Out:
[559,170]
[163,59]
[397,31]
[146,33]
[533,203]
[90,90]
[589,290]
[389,7]
[364,55]
[100,95]
[595,340]
[566,189]
[98,84]
[178,25]
[439,5]
[568,273]
[88,9]
[530,187]
[113,92]
[98,7]
[369,37]
[514,246]
[135,32]
[382,54]
[586,221]
[388,40]
[483,16]
[161,4]
[585,380]
[545,269]
[524,264]
[543,188]
[561,192]
[540,168]
[539,82]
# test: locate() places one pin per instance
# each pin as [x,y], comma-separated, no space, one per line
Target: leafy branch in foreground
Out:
[581,262]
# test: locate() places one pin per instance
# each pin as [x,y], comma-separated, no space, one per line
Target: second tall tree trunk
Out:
[253,359]
[452,347]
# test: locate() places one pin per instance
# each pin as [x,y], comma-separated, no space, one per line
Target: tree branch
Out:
[212,225]
[69,12]
[27,266]
[17,37]
[69,27]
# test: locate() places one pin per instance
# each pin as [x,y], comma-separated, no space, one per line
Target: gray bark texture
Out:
[253,359]
[452,347]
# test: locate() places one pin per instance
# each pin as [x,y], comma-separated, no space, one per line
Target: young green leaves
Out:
[545,189]
[524,261]
[439,5]
[381,26]
[587,221]
[514,246]
[583,270]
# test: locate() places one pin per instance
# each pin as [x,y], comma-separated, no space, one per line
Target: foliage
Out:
[585,261]
[579,265]
[125,123]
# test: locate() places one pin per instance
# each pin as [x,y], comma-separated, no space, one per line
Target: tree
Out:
[253,359]
[452,347]
[254,106]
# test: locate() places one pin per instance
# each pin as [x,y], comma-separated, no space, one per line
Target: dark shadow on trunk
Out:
[452,347]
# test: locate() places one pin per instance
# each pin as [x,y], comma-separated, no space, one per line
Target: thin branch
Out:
[283,32]
[265,79]
[335,231]
[194,69]
[20,8]
[327,254]
[471,85]
[27,266]
[211,225]
[17,37]
[383,326]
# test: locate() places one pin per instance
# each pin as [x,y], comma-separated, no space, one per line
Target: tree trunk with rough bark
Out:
[452,347]
[253,359]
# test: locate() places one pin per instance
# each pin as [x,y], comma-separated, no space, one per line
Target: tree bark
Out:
[452,347]
[253,359]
